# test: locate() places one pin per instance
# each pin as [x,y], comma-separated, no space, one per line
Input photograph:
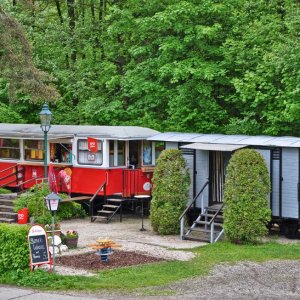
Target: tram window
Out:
[86,157]
[111,153]
[159,147]
[61,153]
[121,153]
[33,150]
[147,153]
[9,149]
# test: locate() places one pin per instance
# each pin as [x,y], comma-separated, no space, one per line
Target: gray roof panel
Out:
[117,132]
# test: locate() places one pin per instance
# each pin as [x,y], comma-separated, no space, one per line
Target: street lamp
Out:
[45,116]
[52,201]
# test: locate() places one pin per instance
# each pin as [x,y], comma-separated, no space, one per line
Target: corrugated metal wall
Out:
[290,174]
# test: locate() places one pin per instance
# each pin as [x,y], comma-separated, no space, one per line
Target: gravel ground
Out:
[128,234]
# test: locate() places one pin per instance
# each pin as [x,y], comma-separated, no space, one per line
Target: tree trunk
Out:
[71,15]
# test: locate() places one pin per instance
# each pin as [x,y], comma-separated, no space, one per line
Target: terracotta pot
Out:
[71,242]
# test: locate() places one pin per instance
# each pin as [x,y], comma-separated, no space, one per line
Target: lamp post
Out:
[45,116]
[52,201]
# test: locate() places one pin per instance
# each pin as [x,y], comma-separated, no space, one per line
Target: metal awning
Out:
[213,147]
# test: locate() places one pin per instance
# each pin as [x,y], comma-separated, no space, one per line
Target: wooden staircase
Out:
[7,214]
[110,208]
[208,227]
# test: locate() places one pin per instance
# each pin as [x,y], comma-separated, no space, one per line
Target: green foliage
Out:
[9,115]
[170,194]
[4,191]
[34,201]
[13,248]
[247,187]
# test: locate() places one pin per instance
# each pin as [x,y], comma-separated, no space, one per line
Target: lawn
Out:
[129,278]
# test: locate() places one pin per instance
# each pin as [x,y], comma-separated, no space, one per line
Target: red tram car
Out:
[82,158]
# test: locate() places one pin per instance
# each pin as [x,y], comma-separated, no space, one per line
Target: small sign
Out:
[38,246]
[91,157]
[92,145]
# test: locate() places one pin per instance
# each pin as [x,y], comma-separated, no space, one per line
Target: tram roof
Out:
[63,131]
[245,140]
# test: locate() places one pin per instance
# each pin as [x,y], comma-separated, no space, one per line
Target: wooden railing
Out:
[102,186]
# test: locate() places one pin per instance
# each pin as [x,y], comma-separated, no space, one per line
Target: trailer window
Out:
[9,149]
[147,153]
[111,153]
[86,157]
[61,153]
[34,150]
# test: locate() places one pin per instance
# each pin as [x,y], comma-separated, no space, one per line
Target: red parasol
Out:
[52,179]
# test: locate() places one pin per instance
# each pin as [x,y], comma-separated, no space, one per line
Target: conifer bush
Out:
[171,183]
[247,187]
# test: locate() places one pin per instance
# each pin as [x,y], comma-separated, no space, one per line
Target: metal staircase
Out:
[110,208]
[208,226]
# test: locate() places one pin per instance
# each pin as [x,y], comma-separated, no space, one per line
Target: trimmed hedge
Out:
[171,183]
[247,187]
[14,250]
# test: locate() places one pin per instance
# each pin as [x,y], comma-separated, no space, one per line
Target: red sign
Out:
[92,145]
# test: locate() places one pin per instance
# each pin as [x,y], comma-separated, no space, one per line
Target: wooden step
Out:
[196,239]
[8,202]
[111,206]
[8,215]
[115,200]
[211,215]
[6,208]
[207,223]
[105,211]
[9,196]
[100,217]
[7,220]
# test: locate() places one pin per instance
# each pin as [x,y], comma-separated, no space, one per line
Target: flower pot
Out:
[71,242]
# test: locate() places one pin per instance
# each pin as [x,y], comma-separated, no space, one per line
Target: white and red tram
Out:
[82,157]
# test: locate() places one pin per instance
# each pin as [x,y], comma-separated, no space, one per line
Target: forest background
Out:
[227,66]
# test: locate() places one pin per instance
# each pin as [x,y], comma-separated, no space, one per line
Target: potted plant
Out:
[71,238]
[57,229]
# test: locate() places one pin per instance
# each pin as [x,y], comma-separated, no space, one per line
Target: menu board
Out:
[38,246]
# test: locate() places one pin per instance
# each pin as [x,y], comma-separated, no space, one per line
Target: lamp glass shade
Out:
[45,117]
[52,201]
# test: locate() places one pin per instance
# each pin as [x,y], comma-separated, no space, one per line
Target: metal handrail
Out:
[215,215]
[194,200]
[11,167]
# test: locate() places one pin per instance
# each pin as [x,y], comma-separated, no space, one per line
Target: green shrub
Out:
[170,193]
[4,191]
[34,201]
[247,186]
[14,250]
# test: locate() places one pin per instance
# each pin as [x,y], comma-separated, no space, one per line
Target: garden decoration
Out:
[104,248]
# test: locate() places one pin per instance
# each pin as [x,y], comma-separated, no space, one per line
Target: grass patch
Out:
[159,274]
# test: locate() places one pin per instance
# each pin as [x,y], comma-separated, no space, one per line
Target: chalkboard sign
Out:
[38,246]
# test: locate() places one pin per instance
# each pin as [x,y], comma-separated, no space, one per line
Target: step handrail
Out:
[215,215]
[102,186]
[194,200]
[11,167]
